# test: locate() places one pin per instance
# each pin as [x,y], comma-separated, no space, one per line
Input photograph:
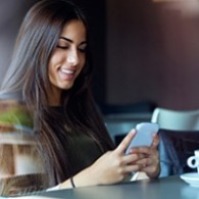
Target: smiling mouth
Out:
[66,74]
[67,71]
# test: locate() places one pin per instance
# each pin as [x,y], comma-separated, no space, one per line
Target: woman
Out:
[51,72]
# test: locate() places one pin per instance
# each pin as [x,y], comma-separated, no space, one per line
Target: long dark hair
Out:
[36,41]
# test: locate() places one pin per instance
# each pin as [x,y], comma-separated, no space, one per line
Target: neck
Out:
[54,97]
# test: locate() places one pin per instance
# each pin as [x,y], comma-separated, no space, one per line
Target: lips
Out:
[67,71]
[66,74]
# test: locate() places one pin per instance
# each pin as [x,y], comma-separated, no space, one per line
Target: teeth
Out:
[67,71]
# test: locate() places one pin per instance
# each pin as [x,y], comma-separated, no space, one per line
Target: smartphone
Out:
[144,135]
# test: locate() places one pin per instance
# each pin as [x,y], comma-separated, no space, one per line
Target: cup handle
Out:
[190,162]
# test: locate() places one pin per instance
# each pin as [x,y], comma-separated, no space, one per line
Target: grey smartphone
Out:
[144,135]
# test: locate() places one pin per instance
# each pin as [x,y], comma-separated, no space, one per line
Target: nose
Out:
[73,57]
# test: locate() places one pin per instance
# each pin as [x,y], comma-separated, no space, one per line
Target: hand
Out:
[149,163]
[114,166]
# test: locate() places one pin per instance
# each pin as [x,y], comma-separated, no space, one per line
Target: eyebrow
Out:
[71,41]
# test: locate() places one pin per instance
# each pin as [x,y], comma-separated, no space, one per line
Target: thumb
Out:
[125,142]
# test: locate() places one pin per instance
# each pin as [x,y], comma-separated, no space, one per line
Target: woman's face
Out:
[68,59]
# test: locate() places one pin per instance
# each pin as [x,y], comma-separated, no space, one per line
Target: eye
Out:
[82,47]
[62,47]
[62,44]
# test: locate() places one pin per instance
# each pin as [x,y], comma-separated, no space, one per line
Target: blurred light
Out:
[187,7]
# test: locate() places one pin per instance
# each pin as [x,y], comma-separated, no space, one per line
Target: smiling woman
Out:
[68,58]
[50,73]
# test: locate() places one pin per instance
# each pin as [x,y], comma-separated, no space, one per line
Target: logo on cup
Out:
[193,161]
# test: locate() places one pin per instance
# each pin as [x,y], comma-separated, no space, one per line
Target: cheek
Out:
[54,61]
[50,73]
[83,62]
[51,70]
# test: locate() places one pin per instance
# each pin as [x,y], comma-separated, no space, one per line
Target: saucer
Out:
[191,178]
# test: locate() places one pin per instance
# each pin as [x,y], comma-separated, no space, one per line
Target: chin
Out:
[67,87]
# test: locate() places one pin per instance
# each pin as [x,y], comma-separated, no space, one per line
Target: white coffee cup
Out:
[193,161]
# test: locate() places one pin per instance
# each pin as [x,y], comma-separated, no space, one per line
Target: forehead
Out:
[74,29]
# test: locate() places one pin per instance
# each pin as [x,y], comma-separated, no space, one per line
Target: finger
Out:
[150,170]
[125,142]
[144,162]
[155,141]
[131,168]
[130,158]
[141,150]
[149,152]
[147,163]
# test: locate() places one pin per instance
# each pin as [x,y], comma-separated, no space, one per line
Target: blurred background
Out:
[145,52]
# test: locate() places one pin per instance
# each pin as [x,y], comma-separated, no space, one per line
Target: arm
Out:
[114,166]
[111,167]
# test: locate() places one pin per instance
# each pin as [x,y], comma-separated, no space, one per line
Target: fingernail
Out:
[132,131]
